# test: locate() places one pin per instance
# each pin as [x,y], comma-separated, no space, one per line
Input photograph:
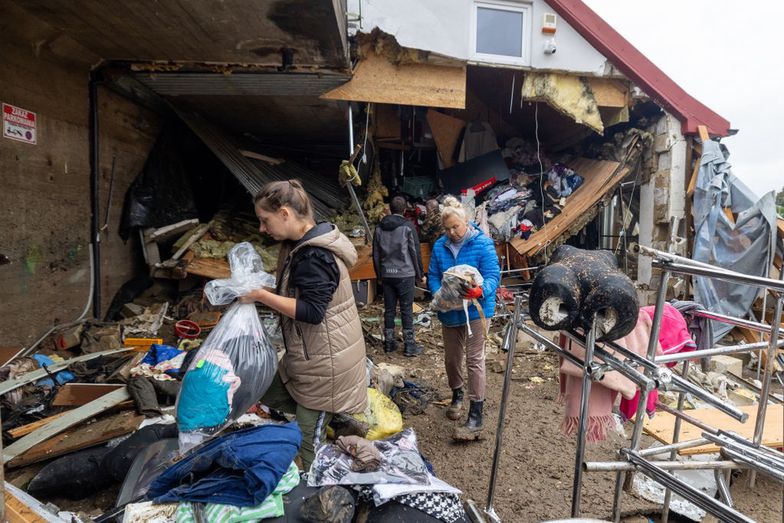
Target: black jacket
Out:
[396,251]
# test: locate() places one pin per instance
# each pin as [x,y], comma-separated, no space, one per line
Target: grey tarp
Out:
[746,246]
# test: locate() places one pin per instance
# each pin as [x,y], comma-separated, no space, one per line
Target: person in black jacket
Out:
[398,263]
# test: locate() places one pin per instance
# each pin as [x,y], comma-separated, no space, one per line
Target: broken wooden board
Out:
[446,133]
[9,385]
[567,94]
[59,425]
[24,430]
[21,507]
[600,179]
[363,268]
[78,394]
[212,268]
[168,232]
[661,427]
[377,80]
[82,437]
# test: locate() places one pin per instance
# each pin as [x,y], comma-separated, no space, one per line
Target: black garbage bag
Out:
[578,285]
[75,476]
[118,460]
[161,194]
[333,504]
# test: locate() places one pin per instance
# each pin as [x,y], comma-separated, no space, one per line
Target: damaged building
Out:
[134,137]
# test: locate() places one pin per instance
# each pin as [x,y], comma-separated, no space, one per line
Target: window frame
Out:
[523,7]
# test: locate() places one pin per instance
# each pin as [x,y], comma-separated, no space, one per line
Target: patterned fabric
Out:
[272,507]
[440,505]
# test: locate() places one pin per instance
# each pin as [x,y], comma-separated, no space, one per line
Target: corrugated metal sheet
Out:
[326,194]
[241,84]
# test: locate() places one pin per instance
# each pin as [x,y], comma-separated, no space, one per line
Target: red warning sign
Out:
[19,124]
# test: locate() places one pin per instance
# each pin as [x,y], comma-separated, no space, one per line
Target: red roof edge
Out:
[639,69]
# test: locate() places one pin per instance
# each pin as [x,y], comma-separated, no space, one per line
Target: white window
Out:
[501,32]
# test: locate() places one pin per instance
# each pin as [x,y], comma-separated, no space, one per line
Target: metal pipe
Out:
[731,320]
[754,465]
[763,454]
[686,491]
[95,165]
[622,480]
[685,385]
[627,370]
[668,257]
[676,436]
[724,489]
[499,433]
[734,277]
[565,354]
[716,351]
[615,466]
[762,338]
[772,349]
[681,445]
[582,428]
[508,271]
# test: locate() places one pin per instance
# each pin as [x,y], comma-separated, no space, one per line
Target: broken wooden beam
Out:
[62,423]
[24,430]
[81,437]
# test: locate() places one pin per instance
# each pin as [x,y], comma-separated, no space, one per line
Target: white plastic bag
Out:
[450,296]
[235,365]
[247,274]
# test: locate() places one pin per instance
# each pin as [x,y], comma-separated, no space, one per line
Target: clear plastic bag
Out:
[400,463]
[235,365]
[450,296]
[247,274]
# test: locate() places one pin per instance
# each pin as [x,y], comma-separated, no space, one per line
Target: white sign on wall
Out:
[19,124]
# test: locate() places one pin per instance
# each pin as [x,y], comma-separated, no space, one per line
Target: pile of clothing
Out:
[524,203]
[390,471]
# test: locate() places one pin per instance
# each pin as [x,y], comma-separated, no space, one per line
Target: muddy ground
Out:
[537,463]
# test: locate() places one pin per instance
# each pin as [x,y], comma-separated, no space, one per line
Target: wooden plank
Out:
[62,423]
[446,133]
[212,268]
[609,92]
[77,394]
[9,385]
[661,427]
[82,437]
[702,131]
[24,430]
[600,179]
[697,162]
[363,269]
[16,511]
[168,232]
[377,80]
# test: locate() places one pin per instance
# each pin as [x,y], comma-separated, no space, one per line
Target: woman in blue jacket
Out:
[464,244]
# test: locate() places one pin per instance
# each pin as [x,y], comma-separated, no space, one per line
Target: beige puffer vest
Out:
[324,365]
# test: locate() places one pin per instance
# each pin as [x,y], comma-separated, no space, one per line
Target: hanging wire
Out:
[541,174]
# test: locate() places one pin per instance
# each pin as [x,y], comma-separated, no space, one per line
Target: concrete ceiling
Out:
[203,31]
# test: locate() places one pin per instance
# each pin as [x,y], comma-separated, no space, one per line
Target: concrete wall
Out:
[444,27]
[45,188]
[664,195]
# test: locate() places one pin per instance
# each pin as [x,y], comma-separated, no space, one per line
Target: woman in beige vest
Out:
[323,369]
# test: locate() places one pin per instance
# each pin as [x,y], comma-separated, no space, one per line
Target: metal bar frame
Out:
[511,343]
[615,466]
[583,424]
[716,351]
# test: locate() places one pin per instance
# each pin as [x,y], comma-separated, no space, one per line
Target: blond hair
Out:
[453,207]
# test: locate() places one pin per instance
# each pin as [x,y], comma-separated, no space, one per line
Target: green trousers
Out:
[312,423]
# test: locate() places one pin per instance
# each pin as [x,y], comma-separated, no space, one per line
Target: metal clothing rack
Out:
[736,452]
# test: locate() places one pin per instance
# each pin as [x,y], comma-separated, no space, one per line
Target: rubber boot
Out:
[410,347]
[456,407]
[390,345]
[474,424]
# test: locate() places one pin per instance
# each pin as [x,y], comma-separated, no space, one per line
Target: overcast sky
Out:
[730,56]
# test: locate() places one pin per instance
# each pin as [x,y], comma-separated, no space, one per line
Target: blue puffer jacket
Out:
[478,252]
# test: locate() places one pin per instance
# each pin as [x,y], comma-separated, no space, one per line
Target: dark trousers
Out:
[398,290]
